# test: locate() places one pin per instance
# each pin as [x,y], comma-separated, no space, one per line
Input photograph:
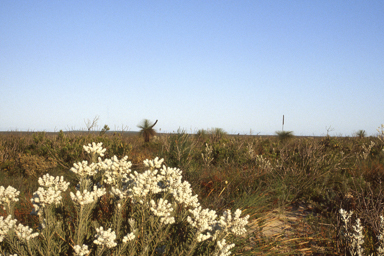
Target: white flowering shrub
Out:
[207,157]
[152,213]
[353,235]
[381,133]
[263,163]
[366,151]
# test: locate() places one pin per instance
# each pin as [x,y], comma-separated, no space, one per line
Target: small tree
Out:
[329,129]
[147,130]
[90,125]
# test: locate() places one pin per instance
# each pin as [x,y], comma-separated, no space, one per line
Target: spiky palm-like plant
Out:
[147,130]
[361,134]
[284,135]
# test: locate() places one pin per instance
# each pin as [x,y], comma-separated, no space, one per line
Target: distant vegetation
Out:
[254,173]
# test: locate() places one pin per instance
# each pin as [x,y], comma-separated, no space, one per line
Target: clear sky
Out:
[238,65]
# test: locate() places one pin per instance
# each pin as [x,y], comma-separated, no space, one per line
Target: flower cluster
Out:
[83,169]
[223,248]
[49,193]
[129,237]
[43,197]
[119,194]
[81,250]
[171,177]
[115,169]
[6,225]
[183,195]
[87,197]
[8,195]
[345,216]
[22,232]
[155,163]
[205,221]
[156,181]
[95,148]
[25,232]
[163,209]
[202,220]
[57,183]
[143,184]
[236,224]
[105,237]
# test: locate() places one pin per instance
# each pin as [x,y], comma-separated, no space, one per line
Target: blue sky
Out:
[238,65]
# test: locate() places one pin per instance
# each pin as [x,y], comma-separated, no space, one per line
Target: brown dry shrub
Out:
[34,165]
[373,172]
[137,158]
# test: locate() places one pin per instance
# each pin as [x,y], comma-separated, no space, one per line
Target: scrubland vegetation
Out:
[136,206]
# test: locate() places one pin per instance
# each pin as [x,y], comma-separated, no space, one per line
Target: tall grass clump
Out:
[151,213]
[179,149]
